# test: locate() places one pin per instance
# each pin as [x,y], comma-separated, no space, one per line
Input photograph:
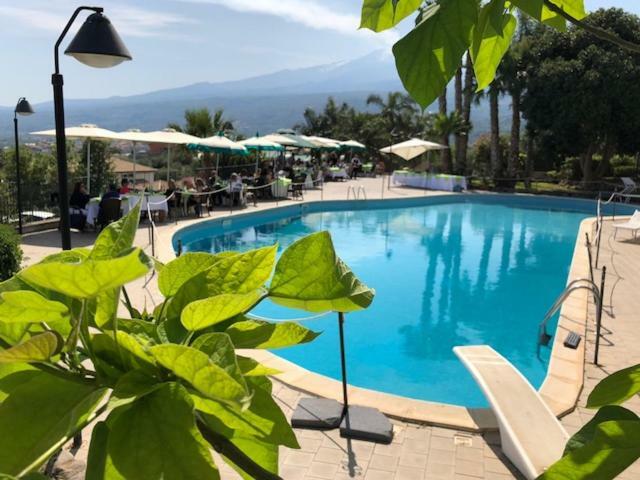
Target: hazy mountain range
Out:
[257,104]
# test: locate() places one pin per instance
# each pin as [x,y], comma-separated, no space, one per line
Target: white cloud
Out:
[50,17]
[310,13]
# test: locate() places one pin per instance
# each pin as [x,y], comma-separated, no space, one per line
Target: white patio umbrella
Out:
[135,136]
[282,140]
[260,144]
[170,136]
[353,145]
[87,131]
[324,142]
[412,148]
[218,144]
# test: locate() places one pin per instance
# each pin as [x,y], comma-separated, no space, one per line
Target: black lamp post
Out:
[98,45]
[22,108]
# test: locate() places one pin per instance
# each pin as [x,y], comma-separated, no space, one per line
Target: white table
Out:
[155,203]
[429,181]
[340,173]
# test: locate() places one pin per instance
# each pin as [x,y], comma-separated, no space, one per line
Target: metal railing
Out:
[39,202]
[578,284]
[356,192]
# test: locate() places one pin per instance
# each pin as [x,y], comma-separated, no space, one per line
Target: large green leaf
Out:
[311,277]
[237,273]
[241,273]
[251,368]
[221,351]
[98,456]
[263,419]
[204,313]
[13,375]
[615,446]
[40,414]
[156,438]
[196,368]
[106,307]
[261,334]
[175,273]
[378,15]
[262,453]
[26,306]
[538,10]
[429,55]
[588,430]
[118,236]
[123,351]
[90,277]
[616,388]
[38,348]
[488,44]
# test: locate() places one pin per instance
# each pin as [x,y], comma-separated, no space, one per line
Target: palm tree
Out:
[200,123]
[444,126]
[398,109]
[467,100]
[445,154]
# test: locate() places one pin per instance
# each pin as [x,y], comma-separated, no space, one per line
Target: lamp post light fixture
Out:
[98,45]
[23,107]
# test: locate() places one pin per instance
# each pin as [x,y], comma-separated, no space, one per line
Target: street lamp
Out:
[22,108]
[98,45]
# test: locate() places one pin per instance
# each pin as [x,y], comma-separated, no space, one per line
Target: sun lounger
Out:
[633,224]
[532,437]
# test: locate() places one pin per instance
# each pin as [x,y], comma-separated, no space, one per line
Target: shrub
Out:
[169,381]
[10,252]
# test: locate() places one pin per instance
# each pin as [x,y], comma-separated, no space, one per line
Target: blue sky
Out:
[178,42]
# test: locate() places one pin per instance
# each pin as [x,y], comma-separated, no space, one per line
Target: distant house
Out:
[125,169]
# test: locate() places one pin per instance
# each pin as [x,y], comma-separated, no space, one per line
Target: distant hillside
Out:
[258,104]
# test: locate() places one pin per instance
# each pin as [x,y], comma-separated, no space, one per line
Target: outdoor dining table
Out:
[337,172]
[155,203]
[280,187]
[429,181]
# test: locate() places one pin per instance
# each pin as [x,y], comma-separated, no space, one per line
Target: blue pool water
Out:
[474,271]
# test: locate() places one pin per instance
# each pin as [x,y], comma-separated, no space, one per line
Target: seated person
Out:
[111,193]
[79,197]
[235,188]
[124,187]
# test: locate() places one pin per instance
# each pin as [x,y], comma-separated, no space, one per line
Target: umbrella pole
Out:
[89,166]
[343,364]
[134,165]
[168,163]
[217,163]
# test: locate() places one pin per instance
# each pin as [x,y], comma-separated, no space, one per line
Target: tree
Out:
[101,169]
[428,56]
[443,127]
[582,96]
[399,109]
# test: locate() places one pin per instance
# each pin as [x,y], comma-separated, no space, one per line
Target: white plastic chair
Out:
[633,224]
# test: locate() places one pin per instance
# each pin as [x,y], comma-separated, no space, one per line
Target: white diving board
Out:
[532,437]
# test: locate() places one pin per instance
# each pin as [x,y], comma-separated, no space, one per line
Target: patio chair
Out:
[633,225]
[531,435]
[297,188]
[110,211]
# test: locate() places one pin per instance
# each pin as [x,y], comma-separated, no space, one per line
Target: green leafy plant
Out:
[167,385]
[10,252]
[429,55]
[610,441]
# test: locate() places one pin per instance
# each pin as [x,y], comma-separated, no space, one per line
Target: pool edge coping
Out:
[560,389]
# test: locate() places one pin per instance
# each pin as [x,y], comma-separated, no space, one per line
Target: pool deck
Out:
[422,447]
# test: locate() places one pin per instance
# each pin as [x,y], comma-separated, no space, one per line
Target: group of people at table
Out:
[197,193]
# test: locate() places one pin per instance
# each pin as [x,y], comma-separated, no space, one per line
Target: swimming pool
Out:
[448,270]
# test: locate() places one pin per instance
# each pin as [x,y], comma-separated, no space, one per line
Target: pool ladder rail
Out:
[356,192]
[573,339]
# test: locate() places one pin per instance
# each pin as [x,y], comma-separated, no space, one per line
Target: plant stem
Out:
[227,449]
[601,33]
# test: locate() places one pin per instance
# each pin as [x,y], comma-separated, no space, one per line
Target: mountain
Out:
[257,104]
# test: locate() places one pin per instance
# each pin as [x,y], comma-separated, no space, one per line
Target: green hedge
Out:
[10,252]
